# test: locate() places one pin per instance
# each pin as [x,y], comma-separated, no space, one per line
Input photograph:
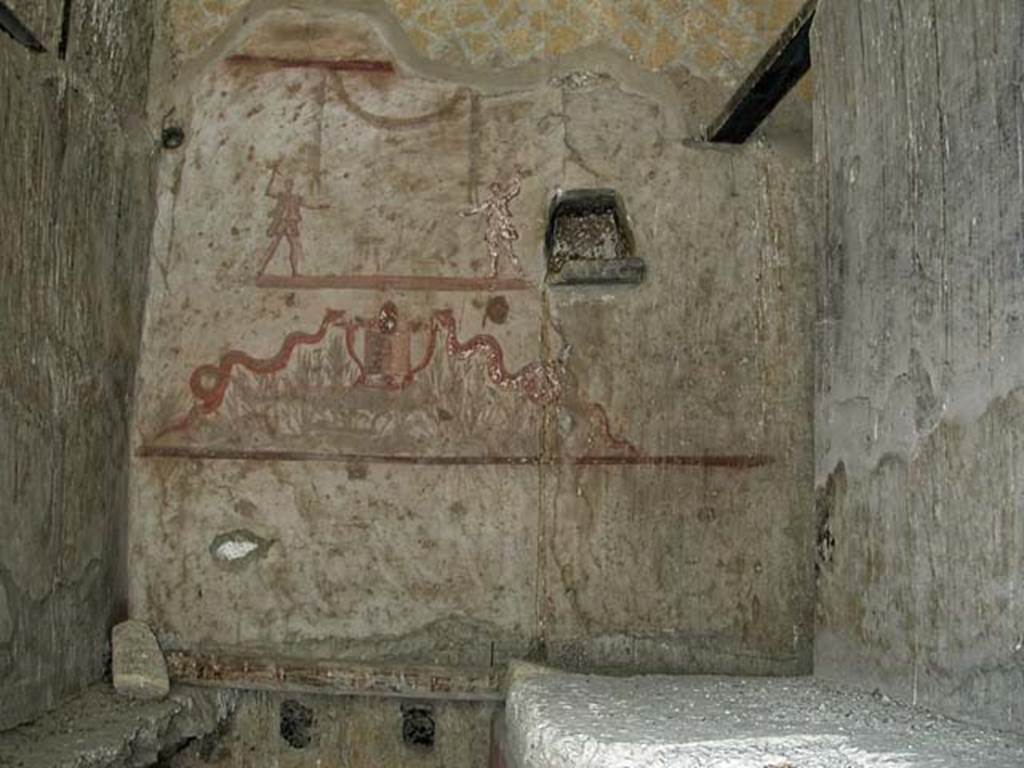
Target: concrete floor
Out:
[558,720]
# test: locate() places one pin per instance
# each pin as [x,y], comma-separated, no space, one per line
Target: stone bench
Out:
[560,720]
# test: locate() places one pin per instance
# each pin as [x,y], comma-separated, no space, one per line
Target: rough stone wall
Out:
[381,451]
[920,416]
[77,212]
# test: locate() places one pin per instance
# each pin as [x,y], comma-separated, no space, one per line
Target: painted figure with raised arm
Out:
[500,234]
[285,219]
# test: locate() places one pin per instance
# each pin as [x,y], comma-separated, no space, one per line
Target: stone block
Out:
[139,667]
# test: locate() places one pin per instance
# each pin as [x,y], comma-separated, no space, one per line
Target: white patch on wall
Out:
[238,548]
[234,550]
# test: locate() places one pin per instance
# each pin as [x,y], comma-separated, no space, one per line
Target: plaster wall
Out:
[918,146]
[394,455]
[76,208]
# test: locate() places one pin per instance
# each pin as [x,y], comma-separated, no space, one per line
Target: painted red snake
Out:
[540,382]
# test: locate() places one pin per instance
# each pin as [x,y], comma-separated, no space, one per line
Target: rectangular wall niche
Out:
[588,240]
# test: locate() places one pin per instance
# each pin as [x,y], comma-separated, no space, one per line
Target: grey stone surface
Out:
[77,212]
[99,729]
[920,414]
[139,668]
[558,720]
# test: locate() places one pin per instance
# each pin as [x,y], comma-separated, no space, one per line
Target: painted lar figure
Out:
[500,234]
[284,221]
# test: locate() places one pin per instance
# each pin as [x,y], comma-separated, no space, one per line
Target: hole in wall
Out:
[172,137]
[296,724]
[17,31]
[418,726]
[589,241]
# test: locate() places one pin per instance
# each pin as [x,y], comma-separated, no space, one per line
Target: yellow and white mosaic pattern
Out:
[715,39]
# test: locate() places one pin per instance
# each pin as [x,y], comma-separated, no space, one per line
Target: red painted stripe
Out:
[346,65]
[242,454]
[721,461]
[392,282]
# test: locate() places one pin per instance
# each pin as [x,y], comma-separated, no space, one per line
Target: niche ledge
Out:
[589,242]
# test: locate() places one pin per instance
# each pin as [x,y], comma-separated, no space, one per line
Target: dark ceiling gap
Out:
[17,31]
[786,62]
[65,31]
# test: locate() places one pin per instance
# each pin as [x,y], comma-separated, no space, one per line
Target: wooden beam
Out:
[338,678]
[775,75]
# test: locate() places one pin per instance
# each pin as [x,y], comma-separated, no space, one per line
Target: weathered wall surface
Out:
[77,213]
[355,441]
[920,411]
[291,730]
